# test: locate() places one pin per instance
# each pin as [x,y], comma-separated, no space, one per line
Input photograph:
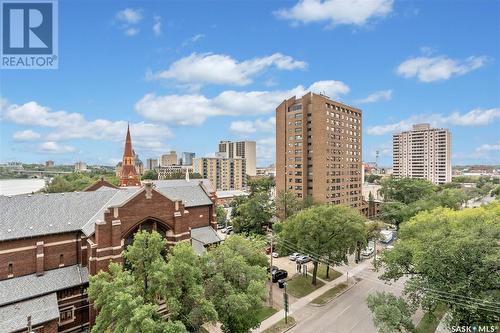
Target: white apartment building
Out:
[225,174]
[243,149]
[423,152]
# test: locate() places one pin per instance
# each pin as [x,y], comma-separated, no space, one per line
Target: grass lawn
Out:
[329,294]
[280,326]
[430,321]
[322,273]
[266,312]
[300,285]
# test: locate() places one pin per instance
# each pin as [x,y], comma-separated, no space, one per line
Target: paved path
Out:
[346,314]
[299,304]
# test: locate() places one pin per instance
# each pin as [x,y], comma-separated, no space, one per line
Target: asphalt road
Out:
[348,313]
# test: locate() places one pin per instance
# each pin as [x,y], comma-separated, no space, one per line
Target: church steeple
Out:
[129,175]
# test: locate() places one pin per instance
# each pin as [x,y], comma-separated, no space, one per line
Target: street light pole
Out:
[271,271]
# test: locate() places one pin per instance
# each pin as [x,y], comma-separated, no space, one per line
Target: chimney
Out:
[39,258]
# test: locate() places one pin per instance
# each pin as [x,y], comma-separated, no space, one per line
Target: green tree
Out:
[450,257]
[78,181]
[251,214]
[221,215]
[127,299]
[263,184]
[150,174]
[324,232]
[391,314]
[405,190]
[235,277]
[183,288]
[287,204]
[372,178]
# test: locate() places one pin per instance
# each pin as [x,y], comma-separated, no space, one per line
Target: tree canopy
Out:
[77,181]
[406,190]
[261,184]
[251,214]
[178,292]
[324,232]
[287,204]
[391,314]
[127,298]
[150,174]
[450,257]
[235,276]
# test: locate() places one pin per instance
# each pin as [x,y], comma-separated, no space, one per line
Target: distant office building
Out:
[80,166]
[168,171]
[223,173]
[269,171]
[423,152]
[169,159]
[318,150]
[151,163]
[243,149]
[187,158]
[49,164]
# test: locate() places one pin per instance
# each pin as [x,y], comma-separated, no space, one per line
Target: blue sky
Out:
[187,74]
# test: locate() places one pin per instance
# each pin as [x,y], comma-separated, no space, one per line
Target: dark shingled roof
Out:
[42,214]
[29,286]
[13,317]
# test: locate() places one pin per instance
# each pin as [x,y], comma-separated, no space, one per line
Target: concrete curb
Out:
[336,296]
[289,328]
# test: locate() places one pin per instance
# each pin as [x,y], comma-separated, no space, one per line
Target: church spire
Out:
[129,176]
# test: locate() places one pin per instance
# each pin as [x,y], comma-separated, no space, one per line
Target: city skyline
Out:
[185,84]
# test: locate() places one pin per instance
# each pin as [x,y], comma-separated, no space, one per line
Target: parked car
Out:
[279,274]
[294,256]
[367,252]
[268,250]
[303,259]
[275,255]
[386,236]
[274,269]
[220,226]
[229,229]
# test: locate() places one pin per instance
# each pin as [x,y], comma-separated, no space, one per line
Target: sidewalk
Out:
[302,302]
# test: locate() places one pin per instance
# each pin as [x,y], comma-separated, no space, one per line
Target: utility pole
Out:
[271,271]
[285,303]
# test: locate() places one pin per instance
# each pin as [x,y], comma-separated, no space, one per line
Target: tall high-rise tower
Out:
[423,152]
[129,175]
[318,150]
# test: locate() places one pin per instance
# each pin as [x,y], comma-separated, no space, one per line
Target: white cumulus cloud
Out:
[247,127]
[52,147]
[212,68]
[69,126]
[439,68]
[26,135]
[157,25]
[128,20]
[382,95]
[336,12]
[476,117]
[488,147]
[129,15]
[195,109]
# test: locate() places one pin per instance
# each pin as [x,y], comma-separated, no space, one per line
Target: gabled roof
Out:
[13,317]
[24,216]
[40,214]
[29,286]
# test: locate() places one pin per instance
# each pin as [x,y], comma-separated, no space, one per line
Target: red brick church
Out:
[51,243]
